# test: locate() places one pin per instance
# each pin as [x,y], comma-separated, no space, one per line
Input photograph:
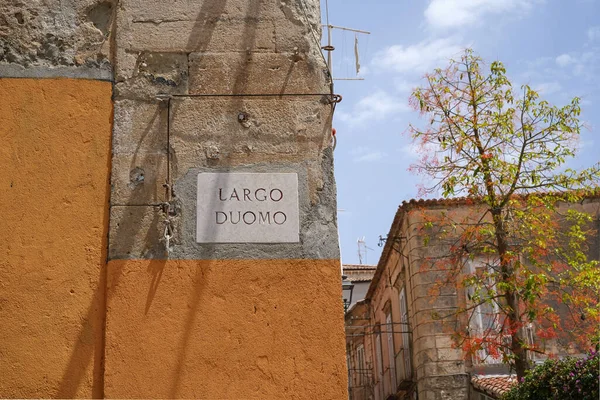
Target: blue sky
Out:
[552,45]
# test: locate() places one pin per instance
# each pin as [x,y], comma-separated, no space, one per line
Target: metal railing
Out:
[360,384]
[403,365]
[365,384]
[383,386]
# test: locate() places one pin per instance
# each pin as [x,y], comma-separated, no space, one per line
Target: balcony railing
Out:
[361,384]
[403,366]
[387,384]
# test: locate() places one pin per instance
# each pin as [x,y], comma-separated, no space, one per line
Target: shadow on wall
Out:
[81,355]
[129,228]
[203,31]
[126,234]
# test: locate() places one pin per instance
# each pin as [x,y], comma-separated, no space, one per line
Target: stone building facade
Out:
[396,347]
[111,110]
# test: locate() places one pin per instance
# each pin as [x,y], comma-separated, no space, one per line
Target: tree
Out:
[507,152]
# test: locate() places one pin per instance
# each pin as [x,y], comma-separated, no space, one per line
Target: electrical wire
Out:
[335,96]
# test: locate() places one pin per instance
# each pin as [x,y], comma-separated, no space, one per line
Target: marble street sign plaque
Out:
[247,208]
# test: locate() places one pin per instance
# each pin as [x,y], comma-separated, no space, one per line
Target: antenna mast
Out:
[329,48]
[362,250]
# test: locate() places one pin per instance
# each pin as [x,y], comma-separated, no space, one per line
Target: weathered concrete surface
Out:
[274,73]
[212,26]
[56,33]
[158,11]
[8,70]
[225,329]
[440,369]
[54,190]
[139,128]
[231,51]
[290,128]
[136,232]
[155,73]
[138,179]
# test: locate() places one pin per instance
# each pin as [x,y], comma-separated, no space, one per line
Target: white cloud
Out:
[446,14]
[370,157]
[548,87]
[419,57]
[540,62]
[580,69]
[410,151]
[581,64]
[366,154]
[403,86]
[564,59]
[570,74]
[374,107]
[414,150]
[593,33]
[586,64]
[585,144]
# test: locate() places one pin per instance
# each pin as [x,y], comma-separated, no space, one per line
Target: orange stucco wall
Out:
[225,329]
[55,137]
[177,328]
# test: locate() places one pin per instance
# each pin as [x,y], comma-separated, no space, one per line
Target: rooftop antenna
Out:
[362,250]
[329,48]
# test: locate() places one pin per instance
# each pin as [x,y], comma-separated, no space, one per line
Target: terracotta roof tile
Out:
[493,385]
[359,267]
[363,277]
[359,273]
[590,194]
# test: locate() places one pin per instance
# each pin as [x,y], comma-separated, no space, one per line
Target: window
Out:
[486,314]
[484,322]
[530,338]
[405,351]
[349,363]
[379,365]
[390,346]
[360,365]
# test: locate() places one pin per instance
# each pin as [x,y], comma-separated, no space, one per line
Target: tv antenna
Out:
[329,47]
[362,250]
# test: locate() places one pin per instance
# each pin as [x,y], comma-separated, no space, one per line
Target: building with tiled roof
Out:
[397,347]
[360,275]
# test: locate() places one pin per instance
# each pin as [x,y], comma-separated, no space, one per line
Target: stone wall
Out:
[255,59]
[439,367]
[56,38]
[442,370]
